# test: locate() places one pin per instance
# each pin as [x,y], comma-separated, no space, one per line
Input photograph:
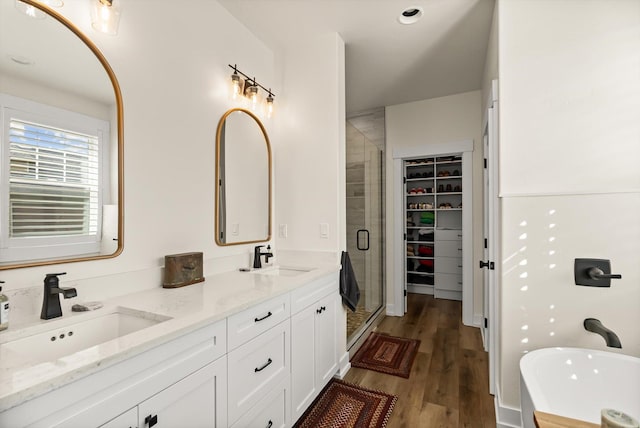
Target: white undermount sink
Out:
[65,338]
[281,271]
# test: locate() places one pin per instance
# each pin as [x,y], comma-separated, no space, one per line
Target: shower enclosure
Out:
[365,219]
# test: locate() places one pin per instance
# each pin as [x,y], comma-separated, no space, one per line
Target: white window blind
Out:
[53,181]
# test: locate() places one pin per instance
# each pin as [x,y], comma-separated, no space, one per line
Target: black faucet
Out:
[51,299]
[595,326]
[257,262]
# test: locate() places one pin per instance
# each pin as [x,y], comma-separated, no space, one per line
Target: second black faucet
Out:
[257,254]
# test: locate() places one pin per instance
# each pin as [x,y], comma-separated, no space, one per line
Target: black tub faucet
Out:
[51,299]
[595,326]
[257,253]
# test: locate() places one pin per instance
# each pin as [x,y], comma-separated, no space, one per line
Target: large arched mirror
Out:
[243,173]
[61,142]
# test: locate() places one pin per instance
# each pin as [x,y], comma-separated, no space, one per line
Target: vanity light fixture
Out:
[105,16]
[250,88]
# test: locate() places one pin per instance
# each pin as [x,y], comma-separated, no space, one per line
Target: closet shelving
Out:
[433,212]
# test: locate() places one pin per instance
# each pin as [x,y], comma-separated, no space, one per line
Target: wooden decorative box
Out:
[182,269]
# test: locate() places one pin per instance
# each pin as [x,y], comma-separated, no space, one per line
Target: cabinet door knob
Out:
[151,420]
[259,369]
[264,317]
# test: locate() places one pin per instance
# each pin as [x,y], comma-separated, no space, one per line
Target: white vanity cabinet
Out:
[314,352]
[262,366]
[192,401]
[165,381]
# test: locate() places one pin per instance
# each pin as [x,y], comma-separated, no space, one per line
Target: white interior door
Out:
[490,323]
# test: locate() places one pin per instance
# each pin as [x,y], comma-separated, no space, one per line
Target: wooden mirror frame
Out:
[218,178]
[120,146]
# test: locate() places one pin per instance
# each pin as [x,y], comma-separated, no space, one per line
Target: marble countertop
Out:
[190,307]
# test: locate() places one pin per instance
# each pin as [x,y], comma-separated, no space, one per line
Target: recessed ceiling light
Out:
[410,15]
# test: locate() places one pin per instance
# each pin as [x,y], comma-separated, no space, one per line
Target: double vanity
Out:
[239,349]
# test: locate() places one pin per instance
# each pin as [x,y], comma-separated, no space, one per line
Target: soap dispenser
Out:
[4,310]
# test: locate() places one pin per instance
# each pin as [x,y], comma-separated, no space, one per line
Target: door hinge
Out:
[405,293]
[486,243]
[486,323]
[404,180]
[485,163]
[492,265]
[405,236]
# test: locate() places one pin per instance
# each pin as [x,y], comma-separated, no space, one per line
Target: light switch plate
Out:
[324,230]
[282,230]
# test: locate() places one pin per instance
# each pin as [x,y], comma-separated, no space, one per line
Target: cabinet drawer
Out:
[448,248]
[448,281]
[257,367]
[311,293]
[448,234]
[271,412]
[251,322]
[448,265]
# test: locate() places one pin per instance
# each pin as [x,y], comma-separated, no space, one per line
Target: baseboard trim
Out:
[344,365]
[477,320]
[391,310]
[506,417]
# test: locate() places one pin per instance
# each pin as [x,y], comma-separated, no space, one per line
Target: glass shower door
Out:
[365,228]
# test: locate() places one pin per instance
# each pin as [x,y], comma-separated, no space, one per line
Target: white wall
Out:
[171,63]
[309,154]
[453,118]
[570,183]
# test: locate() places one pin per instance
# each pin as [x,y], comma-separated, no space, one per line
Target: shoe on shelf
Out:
[440,188]
[457,189]
[449,188]
[456,172]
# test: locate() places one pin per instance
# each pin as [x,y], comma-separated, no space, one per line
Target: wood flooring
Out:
[448,386]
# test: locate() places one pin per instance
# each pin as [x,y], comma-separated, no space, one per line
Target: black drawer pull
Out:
[270,424]
[151,420]
[264,317]
[259,369]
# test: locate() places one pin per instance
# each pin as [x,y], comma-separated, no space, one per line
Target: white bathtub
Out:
[578,383]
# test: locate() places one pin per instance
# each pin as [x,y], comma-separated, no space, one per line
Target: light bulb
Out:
[252,93]
[236,86]
[269,106]
[105,16]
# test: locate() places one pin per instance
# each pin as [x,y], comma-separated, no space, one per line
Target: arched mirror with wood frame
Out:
[243,176]
[61,154]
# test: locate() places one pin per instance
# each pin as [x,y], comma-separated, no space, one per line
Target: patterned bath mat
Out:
[387,354]
[344,405]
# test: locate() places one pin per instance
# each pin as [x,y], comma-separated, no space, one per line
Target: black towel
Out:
[348,284]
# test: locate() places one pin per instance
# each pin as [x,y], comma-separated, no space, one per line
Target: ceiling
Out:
[387,62]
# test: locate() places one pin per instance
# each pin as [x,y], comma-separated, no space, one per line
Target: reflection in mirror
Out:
[243,172]
[61,143]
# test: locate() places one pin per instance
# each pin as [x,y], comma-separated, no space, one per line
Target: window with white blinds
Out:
[53,181]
